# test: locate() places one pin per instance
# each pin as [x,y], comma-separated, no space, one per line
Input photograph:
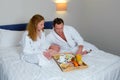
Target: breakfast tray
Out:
[68,66]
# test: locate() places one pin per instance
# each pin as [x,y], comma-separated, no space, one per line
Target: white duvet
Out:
[101,66]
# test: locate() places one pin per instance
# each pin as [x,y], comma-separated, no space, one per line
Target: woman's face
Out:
[40,25]
[59,28]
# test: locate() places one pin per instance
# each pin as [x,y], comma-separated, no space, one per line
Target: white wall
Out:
[19,11]
[98,21]
[101,25]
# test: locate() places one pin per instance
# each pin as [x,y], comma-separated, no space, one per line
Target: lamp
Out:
[61,6]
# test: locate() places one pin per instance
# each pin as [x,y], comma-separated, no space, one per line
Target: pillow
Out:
[10,38]
[47,31]
[0,36]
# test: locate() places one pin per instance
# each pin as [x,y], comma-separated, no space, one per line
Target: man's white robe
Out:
[72,36]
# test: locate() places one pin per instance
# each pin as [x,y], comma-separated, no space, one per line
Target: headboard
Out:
[22,26]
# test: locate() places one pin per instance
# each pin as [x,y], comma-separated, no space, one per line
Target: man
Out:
[66,37]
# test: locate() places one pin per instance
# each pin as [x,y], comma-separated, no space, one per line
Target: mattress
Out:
[101,66]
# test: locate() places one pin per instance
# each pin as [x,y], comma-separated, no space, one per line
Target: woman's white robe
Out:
[33,50]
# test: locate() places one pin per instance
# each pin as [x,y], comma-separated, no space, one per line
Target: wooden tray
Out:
[69,66]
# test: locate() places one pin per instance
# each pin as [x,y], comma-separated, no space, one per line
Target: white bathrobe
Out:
[72,36]
[33,50]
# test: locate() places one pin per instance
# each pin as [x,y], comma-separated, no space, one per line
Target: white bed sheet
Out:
[101,66]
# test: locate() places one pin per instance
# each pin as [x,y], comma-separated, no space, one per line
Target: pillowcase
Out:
[10,38]
[0,36]
[47,31]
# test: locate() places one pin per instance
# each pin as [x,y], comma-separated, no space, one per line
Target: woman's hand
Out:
[47,55]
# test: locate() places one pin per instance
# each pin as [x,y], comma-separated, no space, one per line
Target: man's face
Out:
[59,28]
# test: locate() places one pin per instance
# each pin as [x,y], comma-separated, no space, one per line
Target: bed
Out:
[101,65]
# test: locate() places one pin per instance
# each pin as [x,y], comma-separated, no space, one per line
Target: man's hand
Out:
[55,47]
[80,49]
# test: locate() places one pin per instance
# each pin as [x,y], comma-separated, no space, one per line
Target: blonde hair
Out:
[32,26]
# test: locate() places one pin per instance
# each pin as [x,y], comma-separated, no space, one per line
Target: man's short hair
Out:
[57,21]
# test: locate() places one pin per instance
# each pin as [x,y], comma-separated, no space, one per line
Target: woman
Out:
[34,43]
